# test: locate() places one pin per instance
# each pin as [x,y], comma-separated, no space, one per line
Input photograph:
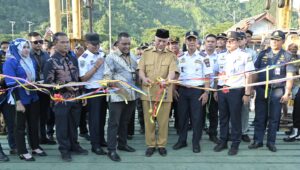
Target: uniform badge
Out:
[82,63]
[249,59]
[207,63]
[92,62]
[222,57]
[182,60]
[264,59]
[281,59]
[84,55]
[198,61]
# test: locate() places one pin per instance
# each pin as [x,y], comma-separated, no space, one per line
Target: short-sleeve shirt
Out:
[231,64]
[268,58]
[194,66]
[156,64]
[86,62]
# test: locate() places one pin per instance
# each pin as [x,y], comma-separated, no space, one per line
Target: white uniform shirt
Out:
[86,62]
[252,53]
[195,66]
[232,63]
[213,60]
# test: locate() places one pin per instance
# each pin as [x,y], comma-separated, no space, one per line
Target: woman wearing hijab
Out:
[20,64]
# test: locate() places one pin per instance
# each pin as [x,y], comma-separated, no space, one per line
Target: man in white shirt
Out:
[191,100]
[231,101]
[91,69]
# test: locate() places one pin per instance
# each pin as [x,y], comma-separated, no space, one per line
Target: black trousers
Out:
[189,106]
[210,110]
[97,116]
[8,112]
[67,116]
[119,117]
[139,107]
[174,108]
[51,121]
[44,113]
[83,120]
[296,111]
[31,118]
[230,107]
[131,124]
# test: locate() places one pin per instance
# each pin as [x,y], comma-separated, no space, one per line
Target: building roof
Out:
[263,16]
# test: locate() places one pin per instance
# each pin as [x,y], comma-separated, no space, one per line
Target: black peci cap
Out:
[162,33]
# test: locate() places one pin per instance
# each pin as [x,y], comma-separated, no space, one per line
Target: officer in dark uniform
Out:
[268,108]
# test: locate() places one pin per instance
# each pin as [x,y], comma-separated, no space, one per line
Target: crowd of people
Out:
[214,76]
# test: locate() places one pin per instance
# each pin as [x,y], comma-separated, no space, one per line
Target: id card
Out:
[277,71]
[133,76]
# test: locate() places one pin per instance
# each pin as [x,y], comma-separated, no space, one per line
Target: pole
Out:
[12,29]
[109,23]
[90,6]
[29,26]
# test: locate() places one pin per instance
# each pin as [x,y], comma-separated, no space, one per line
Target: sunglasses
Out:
[38,42]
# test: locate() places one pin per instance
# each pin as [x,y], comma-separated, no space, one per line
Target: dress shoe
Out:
[66,157]
[129,137]
[13,152]
[289,139]
[214,139]
[196,148]
[233,151]
[126,148]
[50,137]
[42,153]
[221,146]
[98,151]
[3,157]
[289,132]
[293,135]
[113,155]
[86,136]
[103,144]
[272,147]
[80,151]
[22,157]
[46,141]
[150,151]
[179,145]
[162,151]
[246,138]
[255,145]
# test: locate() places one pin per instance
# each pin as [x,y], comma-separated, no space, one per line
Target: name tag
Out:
[277,71]
[133,76]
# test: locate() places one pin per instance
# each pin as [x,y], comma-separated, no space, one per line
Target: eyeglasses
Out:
[24,47]
[38,42]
